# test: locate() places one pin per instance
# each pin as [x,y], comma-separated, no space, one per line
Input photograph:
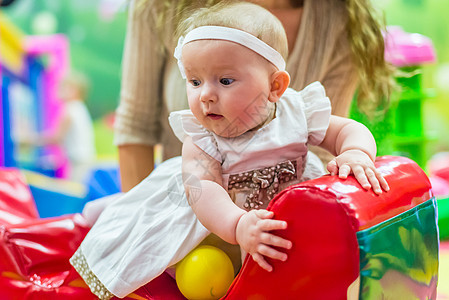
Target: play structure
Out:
[30,70]
[400,130]
[348,243]
[438,168]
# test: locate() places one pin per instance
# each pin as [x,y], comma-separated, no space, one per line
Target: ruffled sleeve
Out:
[185,124]
[317,109]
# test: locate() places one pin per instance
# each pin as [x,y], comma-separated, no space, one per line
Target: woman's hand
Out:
[253,235]
[360,164]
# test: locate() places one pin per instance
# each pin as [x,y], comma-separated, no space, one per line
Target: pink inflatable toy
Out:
[407,49]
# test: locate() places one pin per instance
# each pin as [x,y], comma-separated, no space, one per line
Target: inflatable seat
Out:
[348,243]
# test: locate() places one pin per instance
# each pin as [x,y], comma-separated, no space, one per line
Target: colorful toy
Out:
[443,218]
[348,243]
[205,273]
[12,61]
[438,167]
[28,97]
[55,196]
[400,129]
[103,181]
[56,49]
[440,187]
[443,281]
[352,244]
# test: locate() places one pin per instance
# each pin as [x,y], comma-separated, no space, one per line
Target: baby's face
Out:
[227,86]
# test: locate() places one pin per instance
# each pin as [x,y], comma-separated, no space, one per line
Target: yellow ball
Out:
[205,273]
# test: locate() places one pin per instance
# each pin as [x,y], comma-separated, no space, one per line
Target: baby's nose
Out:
[208,93]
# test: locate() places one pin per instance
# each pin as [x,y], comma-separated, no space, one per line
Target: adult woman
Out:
[338,43]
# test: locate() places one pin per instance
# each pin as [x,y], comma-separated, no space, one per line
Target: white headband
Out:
[229,34]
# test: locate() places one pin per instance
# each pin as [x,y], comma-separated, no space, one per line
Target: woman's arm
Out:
[355,148]
[136,163]
[137,125]
[219,214]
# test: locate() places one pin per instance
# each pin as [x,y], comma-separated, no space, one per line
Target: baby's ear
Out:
[279,83]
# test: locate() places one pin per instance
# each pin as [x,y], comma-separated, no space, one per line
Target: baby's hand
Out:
[360,164]
[252,234]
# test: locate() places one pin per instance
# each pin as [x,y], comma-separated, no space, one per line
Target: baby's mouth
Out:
[214,116]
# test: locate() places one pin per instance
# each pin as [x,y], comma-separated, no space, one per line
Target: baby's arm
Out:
[355,148]
[219,214]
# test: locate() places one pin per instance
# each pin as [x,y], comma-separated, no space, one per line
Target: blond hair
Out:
[247,17]
[363,30]
[165,15]
[376,80]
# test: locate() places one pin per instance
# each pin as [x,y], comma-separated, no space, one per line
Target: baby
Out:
[245,138]
[236,89]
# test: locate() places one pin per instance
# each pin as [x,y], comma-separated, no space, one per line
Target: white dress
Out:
[153,227]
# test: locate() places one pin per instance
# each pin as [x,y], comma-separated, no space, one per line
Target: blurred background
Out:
[96,30]
[41,39]
[429,18]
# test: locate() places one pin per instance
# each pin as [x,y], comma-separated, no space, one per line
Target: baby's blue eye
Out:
[226,81]
[195,82]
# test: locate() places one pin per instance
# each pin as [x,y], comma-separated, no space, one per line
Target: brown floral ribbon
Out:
[267,179]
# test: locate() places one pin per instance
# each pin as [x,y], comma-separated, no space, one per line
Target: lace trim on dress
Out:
[79,262]
[267,179]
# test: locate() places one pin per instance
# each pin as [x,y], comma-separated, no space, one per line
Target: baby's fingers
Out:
[332,167]
[268,224]
[343,171]
[271,252]
[373,180]
[382,181]
[360,175]
[274,240]
[264,214]
[258,258]
[378,182]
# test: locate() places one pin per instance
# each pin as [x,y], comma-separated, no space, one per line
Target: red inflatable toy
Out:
[348,244]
